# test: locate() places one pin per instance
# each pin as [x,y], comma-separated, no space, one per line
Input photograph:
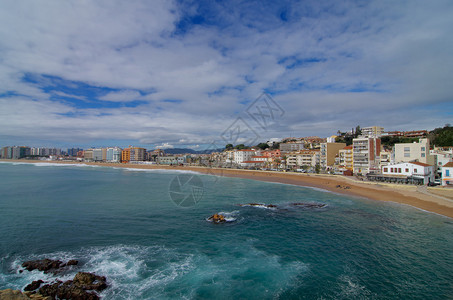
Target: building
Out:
[88,154]
[409,172]
[328,153]
[345,159]
[447,174]
[406,152]
[366,155]
[133,154]
[373,131]
[167,160]
[292,146]
[385,158]
[308,158]
[241,156]
[100,154]
[73,151]
[113,154]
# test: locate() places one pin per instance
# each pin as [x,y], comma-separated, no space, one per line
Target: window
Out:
[407,170]
[407,155]
[447,172]
[407,149]
[385,169]
[423,148]
[399,170]
[391,170]
[423,154]
[415,170]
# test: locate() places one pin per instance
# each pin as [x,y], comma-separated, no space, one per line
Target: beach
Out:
[436,200]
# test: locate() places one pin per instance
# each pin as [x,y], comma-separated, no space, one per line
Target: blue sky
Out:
[180,73]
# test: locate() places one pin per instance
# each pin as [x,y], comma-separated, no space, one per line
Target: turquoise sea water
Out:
[124,224]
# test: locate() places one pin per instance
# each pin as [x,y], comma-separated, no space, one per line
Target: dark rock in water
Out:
[90,281]
[72,262]
[34,285]
[309,205]
[217,219]
[80,288]
[259,205]
[42,265]
[47,265]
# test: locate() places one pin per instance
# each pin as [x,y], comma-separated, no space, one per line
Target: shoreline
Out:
[409,195]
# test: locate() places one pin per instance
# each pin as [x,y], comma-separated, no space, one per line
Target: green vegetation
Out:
[262,146]
[442,137]
[389,141]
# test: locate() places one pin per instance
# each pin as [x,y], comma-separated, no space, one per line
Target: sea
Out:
[148,232]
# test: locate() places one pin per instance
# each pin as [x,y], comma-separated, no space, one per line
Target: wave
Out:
[163,171]
[158,272]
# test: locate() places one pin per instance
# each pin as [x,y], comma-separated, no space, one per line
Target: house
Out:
[409,172]
[447,174]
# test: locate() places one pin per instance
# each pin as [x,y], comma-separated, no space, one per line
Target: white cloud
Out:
[195,84]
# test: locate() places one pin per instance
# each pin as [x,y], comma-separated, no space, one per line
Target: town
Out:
[369,153]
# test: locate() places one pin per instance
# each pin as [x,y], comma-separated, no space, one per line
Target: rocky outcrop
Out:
[47,265]
[33,286]
[217,218]
[10,294]
[82,287]
[259,205]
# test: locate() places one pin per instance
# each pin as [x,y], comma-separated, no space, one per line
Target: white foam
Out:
[164,171]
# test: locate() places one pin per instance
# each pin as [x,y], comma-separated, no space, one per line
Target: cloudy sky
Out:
[187,74]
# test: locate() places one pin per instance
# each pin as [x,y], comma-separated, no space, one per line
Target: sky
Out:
[201,74]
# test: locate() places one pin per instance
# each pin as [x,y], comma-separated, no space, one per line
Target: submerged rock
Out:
[259,205]
[309,205]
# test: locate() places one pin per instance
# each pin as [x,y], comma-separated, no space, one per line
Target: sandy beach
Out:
[433,199]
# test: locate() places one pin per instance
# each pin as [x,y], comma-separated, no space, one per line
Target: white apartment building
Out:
[415,170]
[308,158]
[113,154]
[243,155]
[292,147]
[366,155]
[407,152]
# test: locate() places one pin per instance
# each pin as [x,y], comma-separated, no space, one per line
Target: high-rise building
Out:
[366,155]
[133,154]
[113,154]
[373,131]
[328,153]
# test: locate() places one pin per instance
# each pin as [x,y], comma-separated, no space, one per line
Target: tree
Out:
[275,146]
[358,131]
[317,168]
[229,147]
[262,146]
[240,146]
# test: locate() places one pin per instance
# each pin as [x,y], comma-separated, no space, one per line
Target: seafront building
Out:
[133,154]
[407,152]
[366,155]
[328,153]
[408,172]
[113,154]
[344,161]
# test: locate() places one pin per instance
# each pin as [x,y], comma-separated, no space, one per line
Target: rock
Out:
[42,265]
[80,288]
[72,262]
[47,265]
[10,294]
[90,281]
[309,205]
[271,206]
[34,285]
[216,218]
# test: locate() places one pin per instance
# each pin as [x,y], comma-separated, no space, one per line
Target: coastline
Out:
[409,195]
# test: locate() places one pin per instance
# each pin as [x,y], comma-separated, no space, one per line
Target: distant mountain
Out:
[191,151]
